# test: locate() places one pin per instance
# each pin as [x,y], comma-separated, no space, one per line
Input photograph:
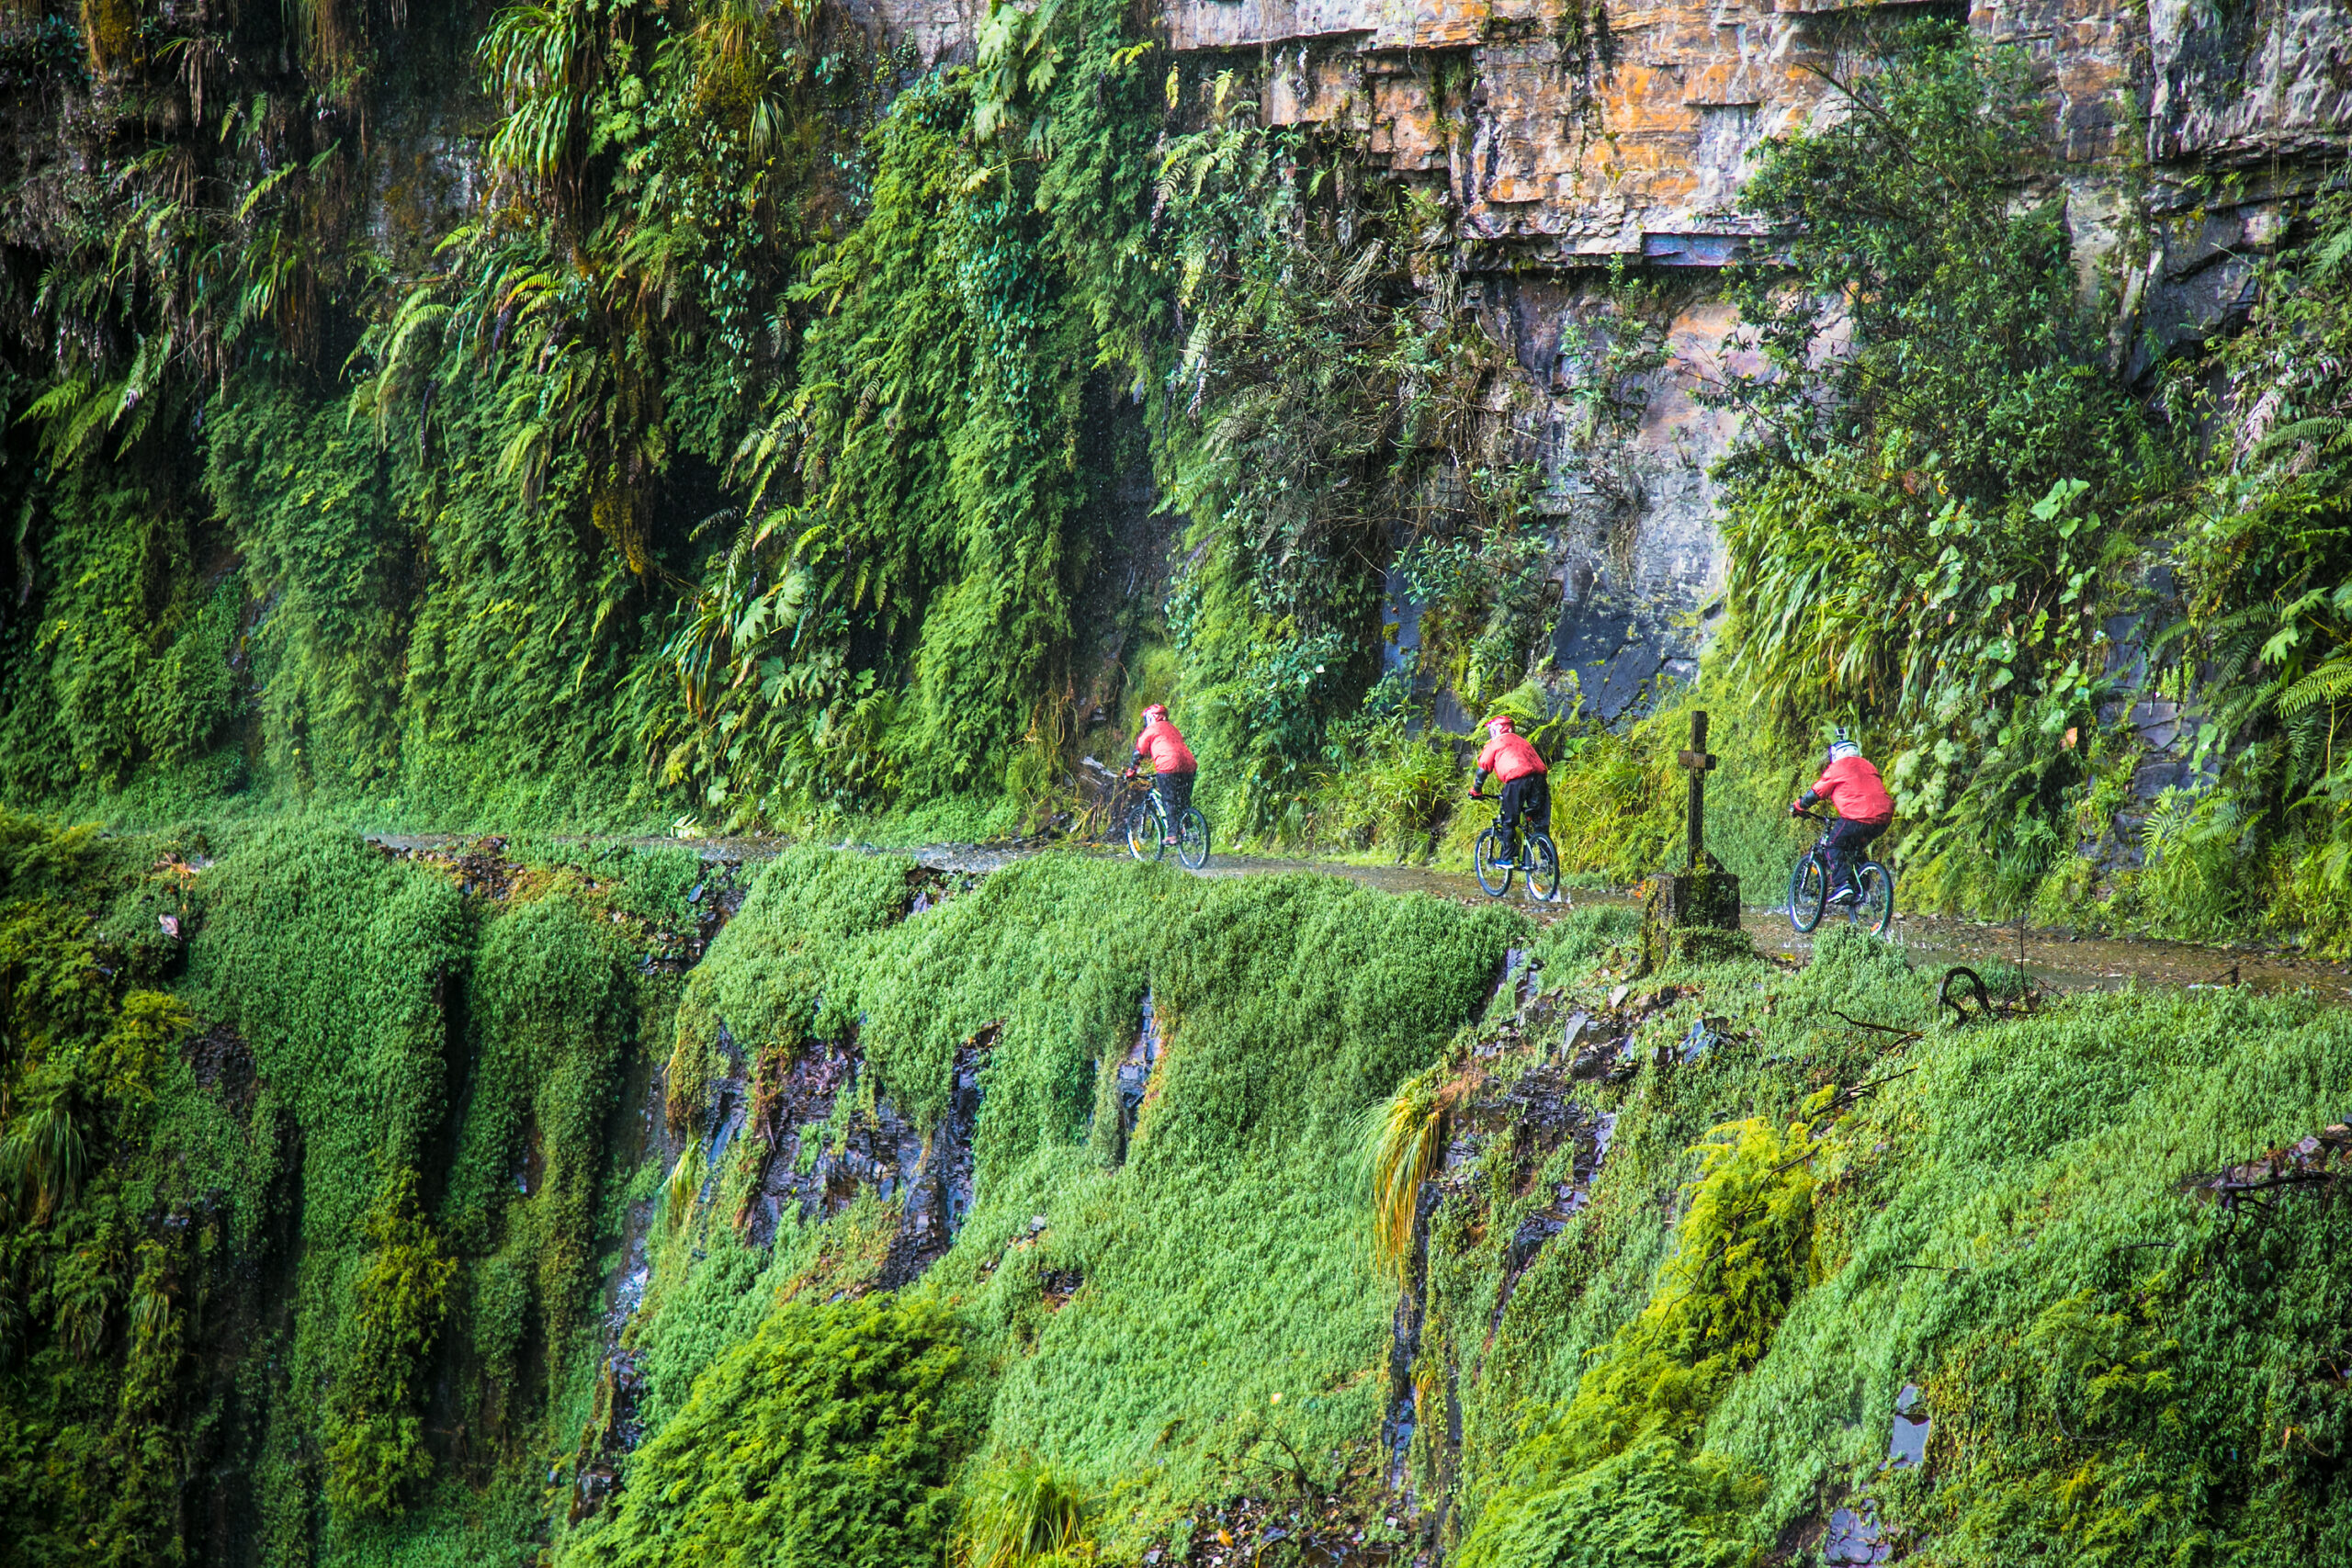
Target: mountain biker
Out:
[1172,765]
[1519,769]
[1852,787]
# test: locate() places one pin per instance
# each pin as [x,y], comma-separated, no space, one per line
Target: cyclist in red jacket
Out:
[1526,792]
[1173,766]
[1852,787]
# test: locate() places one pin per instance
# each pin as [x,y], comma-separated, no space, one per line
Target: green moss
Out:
[550,1001]
[373,1435]
[1743,1253]
[817,1440]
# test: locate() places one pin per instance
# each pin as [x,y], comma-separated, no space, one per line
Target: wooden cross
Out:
[1697,760]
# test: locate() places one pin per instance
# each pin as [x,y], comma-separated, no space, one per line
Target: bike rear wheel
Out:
[1146,831]
[1485,859]
[1874,911]
[1192,839]
[1542,867]
[1808,891]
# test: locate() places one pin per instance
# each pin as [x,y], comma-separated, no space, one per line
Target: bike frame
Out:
[1146,803]
[1818,849]
[1819,853]
[1527,833]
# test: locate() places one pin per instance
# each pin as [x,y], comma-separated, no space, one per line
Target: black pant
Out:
[1527,795]
[1175,791]
[1844,847]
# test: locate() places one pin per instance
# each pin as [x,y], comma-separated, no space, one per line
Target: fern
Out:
[2328,683]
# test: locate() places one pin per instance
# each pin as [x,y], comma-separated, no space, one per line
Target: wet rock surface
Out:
[1302,1524]
[223,1065]
[811,1165]
[614,1428]
[1906,1448]
[815,1164]
[1854,1536]
[1132,1081]
[1517,1109]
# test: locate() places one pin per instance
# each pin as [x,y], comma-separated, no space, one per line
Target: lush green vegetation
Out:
[307,1269]
[308,1177]
[758,451]
[756,447]
[820,1440]
[1709,1351]
[782,439]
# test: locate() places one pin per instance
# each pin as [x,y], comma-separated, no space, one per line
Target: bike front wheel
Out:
[1192,841]
[1543,868]
[1808,893]
[1486,860]
[1145,835]
[1874,911]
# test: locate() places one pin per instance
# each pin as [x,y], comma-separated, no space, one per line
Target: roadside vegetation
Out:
[749,454]
[743,459]
[278,1297]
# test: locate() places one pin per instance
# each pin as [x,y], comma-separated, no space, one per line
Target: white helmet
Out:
[1842,748]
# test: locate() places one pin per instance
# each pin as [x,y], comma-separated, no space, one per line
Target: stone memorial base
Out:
[1693,917]
[1709,899]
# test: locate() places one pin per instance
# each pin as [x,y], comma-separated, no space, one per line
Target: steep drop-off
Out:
[627,1208]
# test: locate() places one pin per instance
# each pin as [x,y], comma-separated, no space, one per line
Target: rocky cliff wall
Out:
[1565,141]
[1569,136]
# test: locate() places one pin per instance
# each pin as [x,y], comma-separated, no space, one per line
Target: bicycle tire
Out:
[1483,855]
[1145,835]
[1874,911]
[1808,891]
[1192,839]
[1543,868]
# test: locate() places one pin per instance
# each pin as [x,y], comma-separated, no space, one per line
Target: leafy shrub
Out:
[820,1441]
[1923,537]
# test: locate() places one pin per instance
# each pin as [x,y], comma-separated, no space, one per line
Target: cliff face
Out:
[1567,137]
[614,1207]
[633,414]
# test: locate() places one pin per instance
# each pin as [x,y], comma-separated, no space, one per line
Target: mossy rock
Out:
[1704,944]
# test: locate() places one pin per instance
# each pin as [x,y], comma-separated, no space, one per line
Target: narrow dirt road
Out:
[2056,959]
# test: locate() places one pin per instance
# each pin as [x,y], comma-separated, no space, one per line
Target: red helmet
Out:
[1502,718]
[1157,710]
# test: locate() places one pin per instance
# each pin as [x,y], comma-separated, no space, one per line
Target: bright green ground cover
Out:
[2118,1374]
[2097,1394]
[318,1316]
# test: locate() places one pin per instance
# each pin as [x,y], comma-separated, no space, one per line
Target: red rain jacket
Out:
[1169,752]
[1853,787]
[1511,758]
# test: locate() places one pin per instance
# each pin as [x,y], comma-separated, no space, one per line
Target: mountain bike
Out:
[1148,830]
[1537,859]
[1809,887]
